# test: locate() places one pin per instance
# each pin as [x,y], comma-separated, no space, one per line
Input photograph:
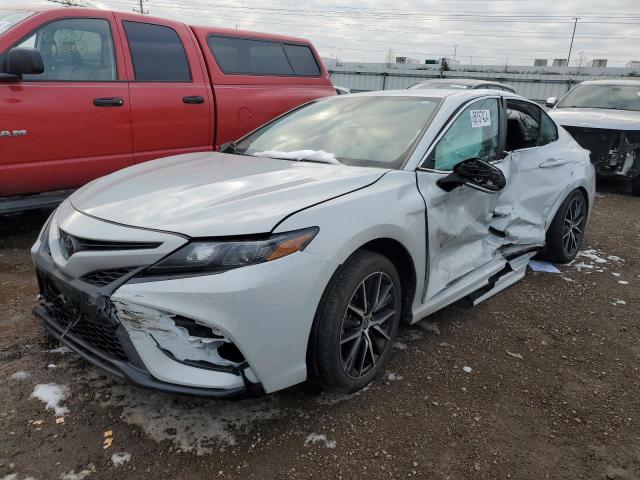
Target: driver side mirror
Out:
[551,102]
[23,61]
[474,173]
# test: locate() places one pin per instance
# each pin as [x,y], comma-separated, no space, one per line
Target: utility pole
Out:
[141,9]
[455,51]
[575,23]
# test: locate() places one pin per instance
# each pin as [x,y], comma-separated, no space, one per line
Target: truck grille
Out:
[98,331]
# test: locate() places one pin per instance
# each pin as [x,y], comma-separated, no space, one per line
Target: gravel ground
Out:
[541,381]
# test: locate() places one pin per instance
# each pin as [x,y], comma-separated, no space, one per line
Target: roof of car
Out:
[436,93]
[472,82]
[613,82]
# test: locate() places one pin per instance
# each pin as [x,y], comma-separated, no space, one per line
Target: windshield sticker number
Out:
[480,118]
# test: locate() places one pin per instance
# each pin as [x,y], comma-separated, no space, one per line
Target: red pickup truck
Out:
[86,92]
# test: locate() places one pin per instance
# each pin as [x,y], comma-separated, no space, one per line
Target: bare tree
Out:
[72,3]
[391,57]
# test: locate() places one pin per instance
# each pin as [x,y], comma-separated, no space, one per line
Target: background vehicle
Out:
[463,83]
[87,92]
[225,272]
[604,117]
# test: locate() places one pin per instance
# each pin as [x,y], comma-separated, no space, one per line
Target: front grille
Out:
[98,331]
[86,244]
[101,278]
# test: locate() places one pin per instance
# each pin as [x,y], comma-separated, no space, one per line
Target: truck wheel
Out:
[356,323]
[564,237]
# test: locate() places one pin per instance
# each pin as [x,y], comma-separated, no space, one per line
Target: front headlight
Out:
[219,255]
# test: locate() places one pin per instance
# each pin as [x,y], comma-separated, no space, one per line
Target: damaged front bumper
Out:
[612,152]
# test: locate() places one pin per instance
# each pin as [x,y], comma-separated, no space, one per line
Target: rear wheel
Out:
[564,237]
[356,323]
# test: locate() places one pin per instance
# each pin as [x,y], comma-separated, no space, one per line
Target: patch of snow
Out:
[582,265]
[400,346]
[315,438]
[11,476]
[616,274]
[615,258]
[61,349]
[393,376]
[52,365]
[81,475]
[467,369]
[313,155]
[52,394]
[21,375]
[592,254]
[623,282]
[514,355]
[120,458]
[570,280]
[199,427]
[618,302]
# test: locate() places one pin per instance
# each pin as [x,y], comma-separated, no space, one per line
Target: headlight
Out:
[220,255]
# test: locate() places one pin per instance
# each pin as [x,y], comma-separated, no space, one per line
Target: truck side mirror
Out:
[24,61]
[551,102]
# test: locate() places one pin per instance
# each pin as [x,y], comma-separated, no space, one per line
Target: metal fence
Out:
[531,82]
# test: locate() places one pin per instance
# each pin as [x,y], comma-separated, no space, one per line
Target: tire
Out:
[635,186]
[566,232]
[348,349]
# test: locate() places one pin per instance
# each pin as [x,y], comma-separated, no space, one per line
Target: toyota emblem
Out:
[67,245]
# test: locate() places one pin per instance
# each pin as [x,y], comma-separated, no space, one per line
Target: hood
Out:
[214,194]
[596,118]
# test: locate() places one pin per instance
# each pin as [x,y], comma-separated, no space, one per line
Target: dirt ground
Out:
[553,389]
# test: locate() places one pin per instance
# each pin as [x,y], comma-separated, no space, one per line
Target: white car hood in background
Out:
[216,194]
[596,118]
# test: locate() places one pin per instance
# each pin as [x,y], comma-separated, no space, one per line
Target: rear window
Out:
[9,18]
[243,56]
[157,53]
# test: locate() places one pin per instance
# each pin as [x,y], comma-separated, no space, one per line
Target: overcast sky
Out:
[485,31]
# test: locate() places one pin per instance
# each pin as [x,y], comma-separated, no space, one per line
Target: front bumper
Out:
[134,328]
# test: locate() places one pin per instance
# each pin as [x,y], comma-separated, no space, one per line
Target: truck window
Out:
[244,56]
[302,60]
[157,53]
[75,49]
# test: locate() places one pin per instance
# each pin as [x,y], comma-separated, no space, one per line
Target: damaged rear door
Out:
[537,169]
[460,239]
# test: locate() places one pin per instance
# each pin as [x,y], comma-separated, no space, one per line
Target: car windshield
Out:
[358,131]
[8,18]
[426,85]
[617,97]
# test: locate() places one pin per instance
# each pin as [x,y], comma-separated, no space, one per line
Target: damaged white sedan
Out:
[296,253]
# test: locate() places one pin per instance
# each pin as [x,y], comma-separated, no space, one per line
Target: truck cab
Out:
[115,89]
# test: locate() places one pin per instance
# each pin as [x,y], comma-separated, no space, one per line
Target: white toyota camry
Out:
[297,252]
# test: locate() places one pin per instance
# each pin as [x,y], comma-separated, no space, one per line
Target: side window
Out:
[473,134]
[157,53]
[523,125]
[75,49]
[548,130]
[243,56]
[302,60]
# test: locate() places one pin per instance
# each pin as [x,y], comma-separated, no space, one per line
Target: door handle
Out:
[193,100]
[552,162]
[108,102]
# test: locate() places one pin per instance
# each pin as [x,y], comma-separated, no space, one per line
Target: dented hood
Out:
[596,118]
[216,194]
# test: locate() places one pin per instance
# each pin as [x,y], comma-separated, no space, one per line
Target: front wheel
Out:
[356,323]
[564,237]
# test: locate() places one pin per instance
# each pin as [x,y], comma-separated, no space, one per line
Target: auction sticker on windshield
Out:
[480,118]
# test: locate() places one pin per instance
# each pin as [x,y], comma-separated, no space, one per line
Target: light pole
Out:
[575,23]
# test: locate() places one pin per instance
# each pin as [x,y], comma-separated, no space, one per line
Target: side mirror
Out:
[551,102]
[23,61]
[476,174]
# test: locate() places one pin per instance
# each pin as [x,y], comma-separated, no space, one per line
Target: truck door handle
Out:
[108,102]
[552,162]
[193,100]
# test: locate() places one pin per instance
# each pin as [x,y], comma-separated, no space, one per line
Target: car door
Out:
[537,171]
[460,239]
[74,117]
[171,100]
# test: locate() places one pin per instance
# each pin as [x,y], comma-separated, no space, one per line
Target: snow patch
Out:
[192,425]
[618,302]
[592,254]
[52,394]
[400,346]
[623,282]
[21,375]
[81,475]
[393,376]
[120,458]
[467,369]
[61,349]
[315,438]
[313,155]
